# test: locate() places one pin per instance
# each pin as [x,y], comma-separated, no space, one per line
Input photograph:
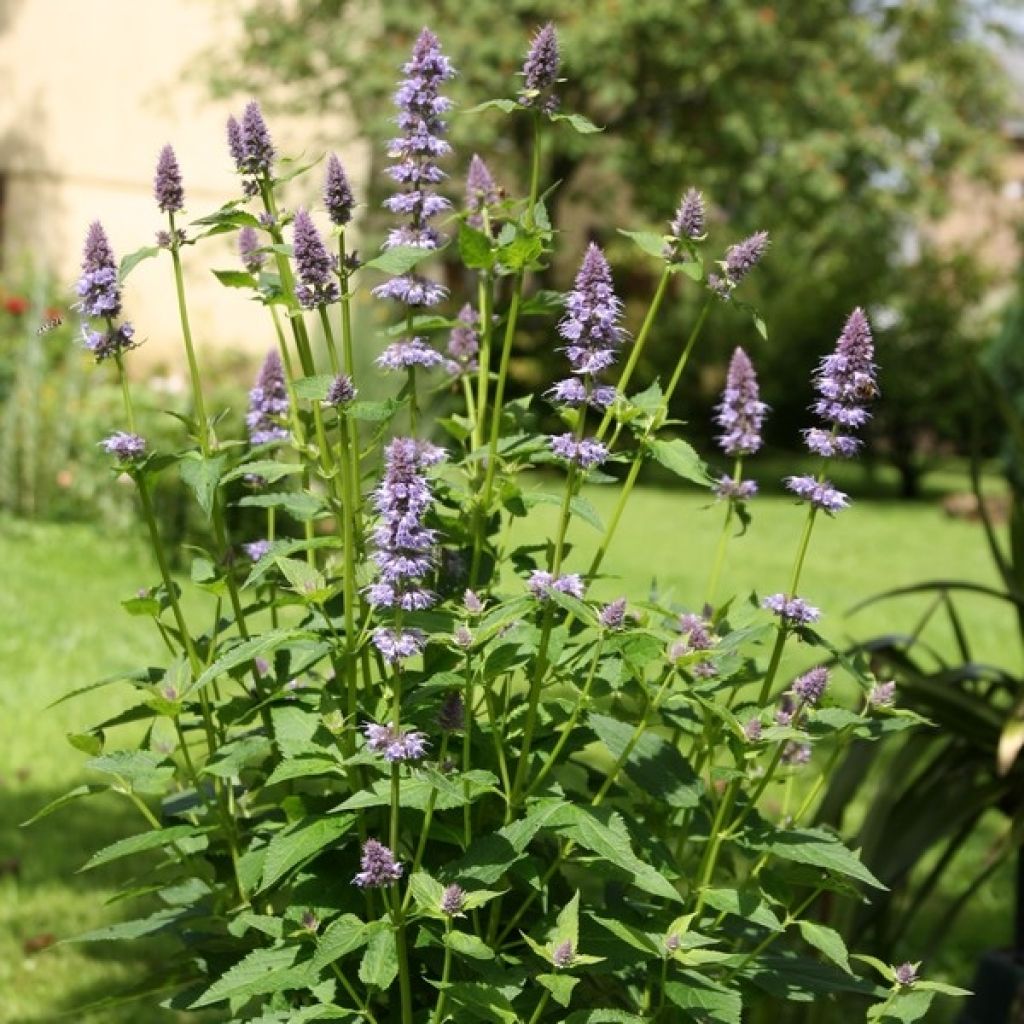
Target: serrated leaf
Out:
[162,920]
[714,1004]
[469,945]
[401,259]
[560,986]
[305,579]
[301,504]
[262,971]
[505,106]
[482,1002]
[298,843]
[744,903]
[567,924]
[133,259]
[654,765]
[302,768]
[814,847]
[631,936]
[651,243]
[579,123]
[522,251]
[379,965]
[374,412]
[905,1008]
[235,279]
[144,772]
[343,936]
[202,475]
[314,388]
[475,248]
[604,1017]
[427,893]
[236,755]
[680,458]
[267,469]
[55,805]
[826,940]
[141,843]
[244,652]
[580,507]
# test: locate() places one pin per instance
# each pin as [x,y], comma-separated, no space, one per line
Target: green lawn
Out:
[63,627]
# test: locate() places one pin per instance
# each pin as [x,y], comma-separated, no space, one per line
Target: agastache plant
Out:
[417,764]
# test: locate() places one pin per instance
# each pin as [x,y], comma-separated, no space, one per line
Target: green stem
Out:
[723,540]
[540,1006]
[467,748]
[190,352]
[404,981]
[350,369]
[445,974]
[638,345]
[485,302]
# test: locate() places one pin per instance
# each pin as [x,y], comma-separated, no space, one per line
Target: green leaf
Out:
[163,920]
[580,507]
[906,1008]
[631,936]
[712,1003]
[469,945]
[523,251]
[427,893]
[141,843]
[236,755]
[262,971]
[604,1017]
[302,768]
[416,791]
[374,412]
[505,106]
[235,279]
[482,1002]
[654,765]
[202,475]
[567,924]
[475,248]
[55,805]
[133,259]
[579,123]
[379,965]
[745,903]
[300,504]
[560,986]
[343,936]
[244,652]
[314,388]
[269,469]
[611,842]
[142,771]
[298,843]
[651,243]
[306,580]
[815,847]
[826,940]
[681,458]
[401,259]
[90,743]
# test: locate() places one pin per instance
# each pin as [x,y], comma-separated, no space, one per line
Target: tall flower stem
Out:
[485,301]
[484,505]
[638,458]
[638,345]
[349,363]
[723,540]
[446,970]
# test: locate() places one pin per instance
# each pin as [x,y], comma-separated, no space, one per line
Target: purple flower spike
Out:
[563,954]
[613,615]
[452,900]
[379,867]
[591,324]
[167,186]
[257,150]
[317,285]
[341,392]
[127,447]
[728,489]
[235,145]
[249,250]
[414,352]
[739,260]
[810,687]
[540,71]
[821,494]
[688,223]
[846,379]
[255,550]
[338,198]
[394,744]
[405,548]
[830,445]
[793,611]
[268,403]
[472,602]
[586,454]
[796,753]
[906,974]
[398,646]
[415,154]
[464,341]
[882,695]
[740,413]
[481,192]
[98,286]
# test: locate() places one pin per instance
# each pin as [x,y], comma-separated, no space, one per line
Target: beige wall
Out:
[93,89]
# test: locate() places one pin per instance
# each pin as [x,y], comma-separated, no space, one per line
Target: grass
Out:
[63,628]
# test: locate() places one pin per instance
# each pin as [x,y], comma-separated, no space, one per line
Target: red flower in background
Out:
[16,305]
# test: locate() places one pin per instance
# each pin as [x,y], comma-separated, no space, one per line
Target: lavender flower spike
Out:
[167,186]
[452,899]
[593,310]
[810,687]
[317,286]
[540,71]
[740,413]
[127,447]
[249,250]
[338,198]
[404,553]
[379,867]
[341,392]
[414,155]
[464,341]
[794,611]
[481,191]
[739,260]
[268,403]
[846,379]
[100,292]
[688,223]
[257,150]
[563,954]
[821,494]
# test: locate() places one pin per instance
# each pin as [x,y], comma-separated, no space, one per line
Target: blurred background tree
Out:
[839,125]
